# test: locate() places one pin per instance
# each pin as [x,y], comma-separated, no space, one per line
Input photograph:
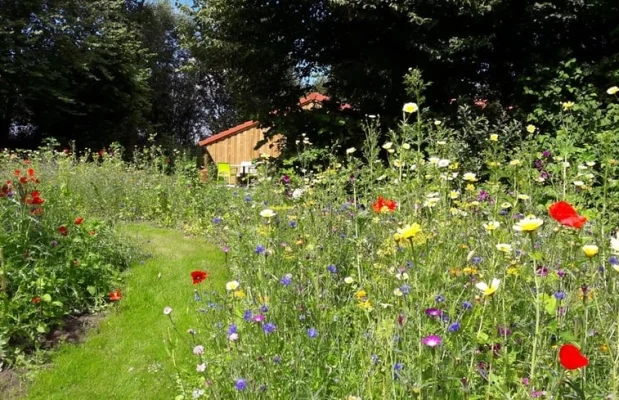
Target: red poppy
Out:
[63,230]
[115,295]
[199,276]
[17,172]
[35,198]
[23,179]
[31,172]
[566,215]
[571,358]
[382,205]
[36,300]
[4,190]
[79,220]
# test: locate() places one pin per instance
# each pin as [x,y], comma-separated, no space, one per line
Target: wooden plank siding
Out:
[240,147]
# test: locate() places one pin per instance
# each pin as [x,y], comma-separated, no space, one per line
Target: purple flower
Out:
[226,249]
[264,308]
[331,268]
[312,333]
[440,298]
[232,329]
[467,305]
[248,315]
[259,249]
[258,318]
[503,330]
[434,312]
[247,199]
[405,289]
[54,243]
[483,195]
[285,180]
[269,327]
[431,341]
[561,273]
[240,384]
[293,224]
[216,220]
[546,153]
[476,260]
[198,350]
[286,280]
[613,260]
[454,327]
[541,271]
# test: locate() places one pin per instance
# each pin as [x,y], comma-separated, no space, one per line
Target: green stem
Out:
[537,317]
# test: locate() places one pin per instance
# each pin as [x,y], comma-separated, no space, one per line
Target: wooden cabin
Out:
[236,146]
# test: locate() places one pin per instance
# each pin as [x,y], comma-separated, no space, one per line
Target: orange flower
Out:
[115,295]
[36,300]
[382,205]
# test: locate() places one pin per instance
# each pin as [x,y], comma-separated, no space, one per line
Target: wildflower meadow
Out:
[410,267]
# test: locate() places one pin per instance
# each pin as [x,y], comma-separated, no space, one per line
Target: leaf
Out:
[42,329]
[92,290]
[550,303]
[46,298]
[482,337]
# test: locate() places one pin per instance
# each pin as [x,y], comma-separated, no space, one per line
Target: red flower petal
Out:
[199,276]
[571,358]
[565,214]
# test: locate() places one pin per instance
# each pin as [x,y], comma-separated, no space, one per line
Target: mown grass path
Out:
[125,357]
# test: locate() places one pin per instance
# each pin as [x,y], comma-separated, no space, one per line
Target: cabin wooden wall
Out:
[240,147]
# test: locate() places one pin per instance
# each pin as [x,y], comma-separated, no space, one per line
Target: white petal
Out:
[482,286]
[495,283]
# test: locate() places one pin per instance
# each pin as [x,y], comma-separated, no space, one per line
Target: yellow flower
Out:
[469,177]
[590,250]
[239,294]
[409,231]
[568,105]
[504,247]
[469,270]
[366,305]
[454,195]
[612,90]
[531,128]
[470,187]
[494,137]
[528,224]
[361,294]
[410,108]
[506,205]
[455,272]
[513,271]
[489,290]
[493,163]
[232,285]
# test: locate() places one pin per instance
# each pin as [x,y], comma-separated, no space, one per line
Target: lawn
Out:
[126,358]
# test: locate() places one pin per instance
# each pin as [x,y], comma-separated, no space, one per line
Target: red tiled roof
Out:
[310,98]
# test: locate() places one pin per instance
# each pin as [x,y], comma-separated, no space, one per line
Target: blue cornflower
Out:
[613,260]
[477,260]
[240,384]
[269,327]
[440,298]
[375,359]
[196,296]
[405,289]
[559,295]
[410,264]
[467,305]
[312,333]
[232,329]
[601,269]
[264,308]
[277,359]
[286,279]
[216,220]
[259,249]
[331,268]
[398,366]
[293,224]
[247,199]
[248,315]
[454,327]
